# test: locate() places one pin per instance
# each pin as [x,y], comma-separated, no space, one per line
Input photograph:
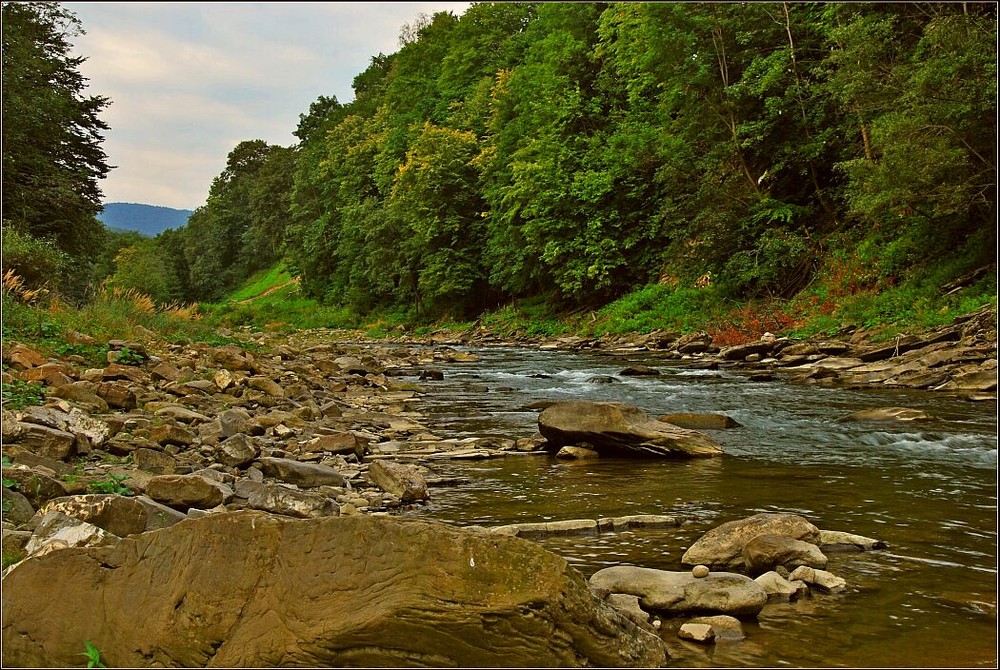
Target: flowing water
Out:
[928,489]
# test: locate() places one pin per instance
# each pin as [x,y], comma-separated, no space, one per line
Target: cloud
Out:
[188,81]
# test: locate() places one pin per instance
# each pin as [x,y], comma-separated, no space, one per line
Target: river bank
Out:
[309,425]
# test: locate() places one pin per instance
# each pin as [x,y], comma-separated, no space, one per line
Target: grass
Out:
[844,295]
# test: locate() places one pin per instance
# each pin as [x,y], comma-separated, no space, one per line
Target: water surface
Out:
[928,489]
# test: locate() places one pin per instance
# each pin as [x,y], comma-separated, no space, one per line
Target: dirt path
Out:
[270,291]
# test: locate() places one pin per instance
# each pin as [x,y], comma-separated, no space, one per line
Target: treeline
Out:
[581,150]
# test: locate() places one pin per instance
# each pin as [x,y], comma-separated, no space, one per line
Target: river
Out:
[928,489]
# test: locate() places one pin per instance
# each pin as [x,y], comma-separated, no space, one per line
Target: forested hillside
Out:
[576,152]
[150,220]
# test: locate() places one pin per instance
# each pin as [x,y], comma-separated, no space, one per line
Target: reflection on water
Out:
[928,489]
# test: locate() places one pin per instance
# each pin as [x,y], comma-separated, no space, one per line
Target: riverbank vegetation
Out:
[558,168]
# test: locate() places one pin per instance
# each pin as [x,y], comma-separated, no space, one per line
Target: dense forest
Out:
[571,152]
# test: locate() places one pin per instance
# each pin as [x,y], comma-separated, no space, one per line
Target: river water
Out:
[928,489]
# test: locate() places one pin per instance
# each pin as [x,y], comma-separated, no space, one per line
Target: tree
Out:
[52,155]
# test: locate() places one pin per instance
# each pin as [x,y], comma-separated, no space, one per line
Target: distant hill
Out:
[150,220]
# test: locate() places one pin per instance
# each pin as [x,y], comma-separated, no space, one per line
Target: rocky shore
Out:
[310,429]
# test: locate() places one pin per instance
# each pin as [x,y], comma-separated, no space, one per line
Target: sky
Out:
[188,81]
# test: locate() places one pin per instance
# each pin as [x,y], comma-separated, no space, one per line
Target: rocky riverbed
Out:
[320,430]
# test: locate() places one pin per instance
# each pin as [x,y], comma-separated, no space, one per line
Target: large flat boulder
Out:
[249,589]
[617,429]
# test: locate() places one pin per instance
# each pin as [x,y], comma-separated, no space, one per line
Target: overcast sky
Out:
[188,81]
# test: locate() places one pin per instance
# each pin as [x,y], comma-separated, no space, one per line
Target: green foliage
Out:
[658,307]
[112,484]
[37,261]
[19,394]
[93,655]
[52,133]
[840,156]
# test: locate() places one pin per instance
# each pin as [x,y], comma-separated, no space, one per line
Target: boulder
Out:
[291,502]
[36,486]
[170,433]
[722,547]
[154,461]
[58,531]
[616,429]
[238,420]
[236,451]
[255,590]
[403,481]
[116,514]
[677,593]
[306,475]
[697,632]
[46,441]
[766,552]
[183,492]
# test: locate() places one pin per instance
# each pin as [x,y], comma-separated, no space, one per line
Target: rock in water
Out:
[616,429]
[248,589]
[722,547]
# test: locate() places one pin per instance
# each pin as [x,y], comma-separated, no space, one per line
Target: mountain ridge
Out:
[149,220]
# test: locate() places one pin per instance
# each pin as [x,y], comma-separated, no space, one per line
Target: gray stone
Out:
[289,502]
[306,475]
[238,420]
[237,451]
[676,593]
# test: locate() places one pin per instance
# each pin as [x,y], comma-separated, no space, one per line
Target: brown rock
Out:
[37,487]
[236,451]
[307,475]
[185,491]
[118,515]
[169,433]
[722,547]
[766,552]
[47,442]
[620,430]
[21,357]
[403,481]
[350,591]
[154,461]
